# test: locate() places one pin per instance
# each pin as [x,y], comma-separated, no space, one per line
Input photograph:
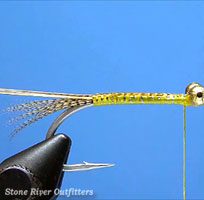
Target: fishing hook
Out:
[51,131]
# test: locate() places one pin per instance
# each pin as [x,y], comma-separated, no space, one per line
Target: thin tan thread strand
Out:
[184,153]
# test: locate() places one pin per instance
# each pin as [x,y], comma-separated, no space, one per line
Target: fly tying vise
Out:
[35,110]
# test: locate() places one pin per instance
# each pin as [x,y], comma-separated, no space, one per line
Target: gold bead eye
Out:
[195,91]
[199,94]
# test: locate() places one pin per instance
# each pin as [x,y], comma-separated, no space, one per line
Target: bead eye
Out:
[199,94]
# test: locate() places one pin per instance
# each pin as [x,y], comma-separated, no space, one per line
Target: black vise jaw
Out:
[36,172]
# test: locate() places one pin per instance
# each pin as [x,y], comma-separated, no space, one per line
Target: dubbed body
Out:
[141,98]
